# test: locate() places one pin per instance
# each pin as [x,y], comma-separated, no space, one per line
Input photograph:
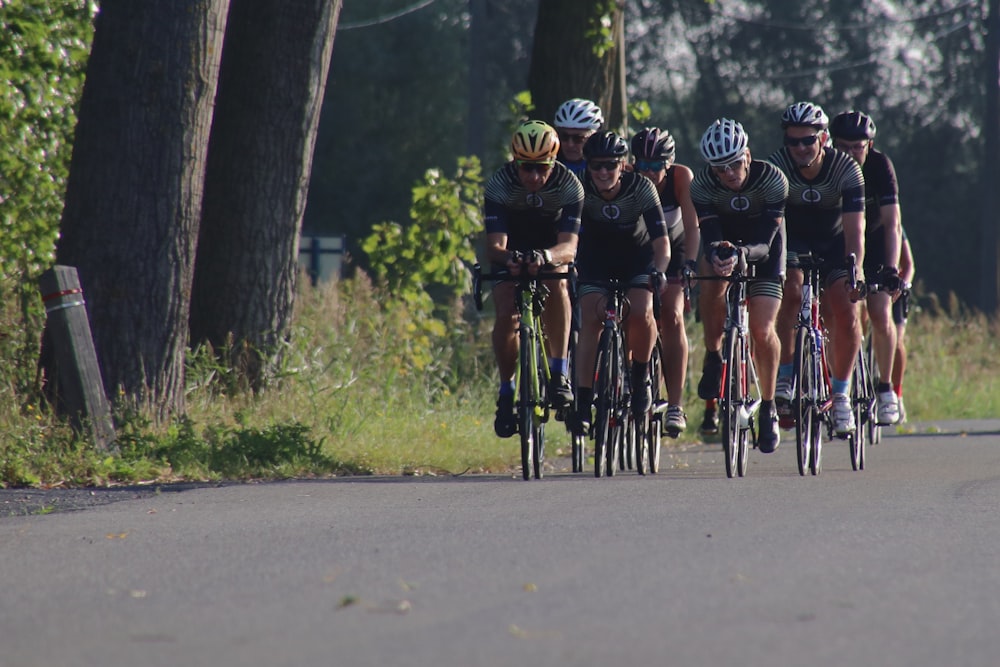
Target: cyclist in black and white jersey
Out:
[622,237]
[853,132]
[740,202]
[576,121]
[532,208]
[654,150]
[824,215]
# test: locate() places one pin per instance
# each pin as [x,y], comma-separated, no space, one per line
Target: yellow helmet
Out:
[535,141]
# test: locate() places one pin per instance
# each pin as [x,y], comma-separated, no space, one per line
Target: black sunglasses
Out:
[568,138]
[803,141]
[534,167]
[610,165]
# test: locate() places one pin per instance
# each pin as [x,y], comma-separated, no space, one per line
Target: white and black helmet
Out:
[805,114]
[579,114]
[725,140]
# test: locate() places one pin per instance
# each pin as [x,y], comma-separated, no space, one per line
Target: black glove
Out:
[690,268]
[889,277]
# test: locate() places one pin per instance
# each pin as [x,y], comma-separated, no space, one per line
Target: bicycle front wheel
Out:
[654,434]
[732,399]
[804,397]
[874,430]
[603,394]
[862,412]
[527,382]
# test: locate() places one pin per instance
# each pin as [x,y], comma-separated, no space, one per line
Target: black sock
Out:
[883,387]
[640,372]
[584,396]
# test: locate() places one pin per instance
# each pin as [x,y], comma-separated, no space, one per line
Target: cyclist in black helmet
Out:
[853,132]
[622,236]
[653,152]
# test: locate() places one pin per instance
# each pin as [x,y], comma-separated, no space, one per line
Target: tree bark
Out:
[134,192]
[564,63]
[273,76]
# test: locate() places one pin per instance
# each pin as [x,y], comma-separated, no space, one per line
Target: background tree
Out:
[575,54]
[273,75]
[397,102]
[134,193]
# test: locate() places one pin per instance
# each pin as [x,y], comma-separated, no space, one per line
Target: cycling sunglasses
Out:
[803,141]
[534,167]
[609,165]
[650,165]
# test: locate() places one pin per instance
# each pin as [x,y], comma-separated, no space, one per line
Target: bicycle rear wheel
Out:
[654,434]
[804,397]
[577,442]
[732,398]
[874,430]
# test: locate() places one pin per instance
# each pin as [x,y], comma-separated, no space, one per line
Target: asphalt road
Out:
[895,565]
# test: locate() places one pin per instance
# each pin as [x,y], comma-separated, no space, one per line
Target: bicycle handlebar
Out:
[523,277]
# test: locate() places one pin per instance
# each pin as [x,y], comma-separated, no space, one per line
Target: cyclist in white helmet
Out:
[825,215]
[576,120]
[740,203]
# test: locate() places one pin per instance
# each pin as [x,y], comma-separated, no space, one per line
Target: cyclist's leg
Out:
[884,341]
[505,347]
[674,342]
[764,303]
[712,306]
[557,317]
[640,334]
[591,305]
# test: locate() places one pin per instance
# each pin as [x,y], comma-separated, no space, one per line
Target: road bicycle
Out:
[532,378]
[620,438]
[739,391]
[811,397]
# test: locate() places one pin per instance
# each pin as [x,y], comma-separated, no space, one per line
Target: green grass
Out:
[360,390]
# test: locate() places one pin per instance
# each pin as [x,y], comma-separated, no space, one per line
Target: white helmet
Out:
[579,114]
[724,141]
[805,114]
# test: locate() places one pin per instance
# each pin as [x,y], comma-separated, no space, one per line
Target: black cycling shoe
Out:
[560,392]
[711,377]
[505,424]
[582,420]
[710,424]
[642,398]
[768,435]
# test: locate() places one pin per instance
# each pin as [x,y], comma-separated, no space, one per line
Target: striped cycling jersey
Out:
[881,188]
[532,219]
[815,207]
[749,217]
[629,221]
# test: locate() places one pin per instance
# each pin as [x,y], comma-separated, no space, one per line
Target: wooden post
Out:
[79,391]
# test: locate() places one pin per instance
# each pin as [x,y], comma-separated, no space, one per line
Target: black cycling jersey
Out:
[532,219]
[616,235]
[815,207]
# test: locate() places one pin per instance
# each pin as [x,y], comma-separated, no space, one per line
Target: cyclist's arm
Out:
[564,251]
[761,235]
[889,215]
[907,268]
[657,228]
[689,216]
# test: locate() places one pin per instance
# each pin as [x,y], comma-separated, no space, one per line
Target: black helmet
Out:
[605,144]
[652,143]
[853,126]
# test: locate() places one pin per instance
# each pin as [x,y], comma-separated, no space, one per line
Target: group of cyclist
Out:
[571,194]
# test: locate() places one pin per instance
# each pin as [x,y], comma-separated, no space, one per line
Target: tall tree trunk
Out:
[990,203]
[134,193]
[567,58]
[273,76]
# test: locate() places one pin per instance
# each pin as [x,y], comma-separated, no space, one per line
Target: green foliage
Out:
[600,30]
[640,111]
[43,55]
